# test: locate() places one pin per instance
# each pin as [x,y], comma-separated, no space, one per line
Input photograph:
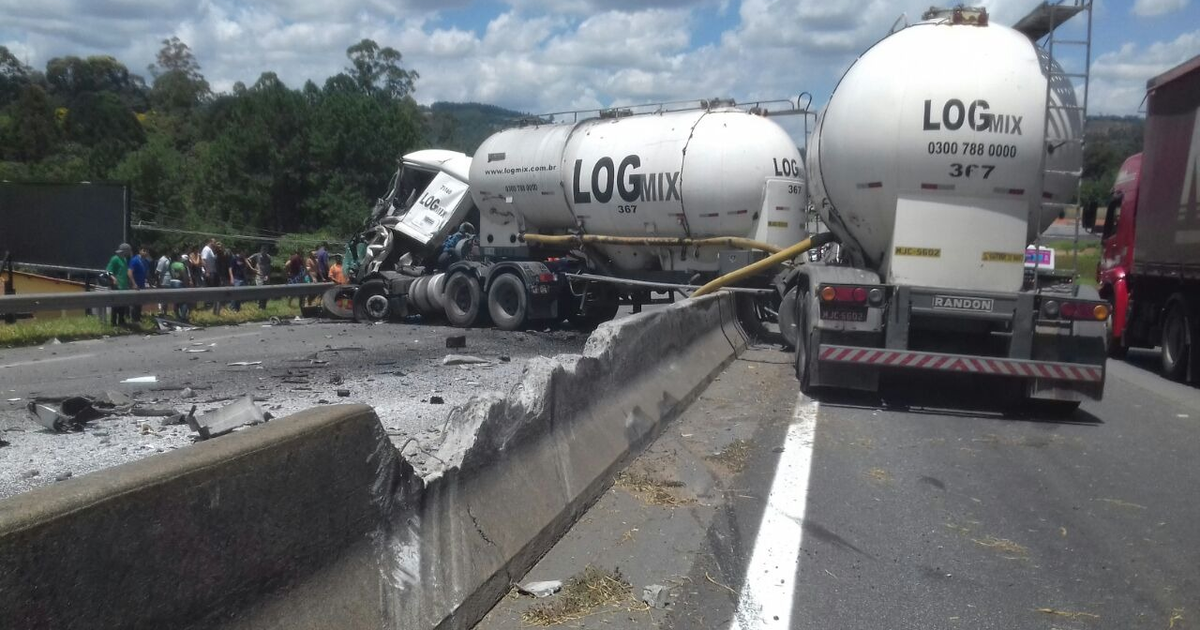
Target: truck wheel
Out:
[371,302]
[787,319]
[463,300]
[508,302]
[338,302]
[1176,341]
[804,342]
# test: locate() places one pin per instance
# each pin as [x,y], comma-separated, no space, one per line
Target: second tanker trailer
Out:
[568,220]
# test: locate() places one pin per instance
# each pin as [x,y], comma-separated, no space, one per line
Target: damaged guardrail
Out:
[317,521]
[31,302]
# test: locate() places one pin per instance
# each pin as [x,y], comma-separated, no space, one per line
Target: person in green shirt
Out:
[118,271]
[180,278]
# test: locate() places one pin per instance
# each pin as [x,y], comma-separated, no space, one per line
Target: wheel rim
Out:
[508,301]
[377,306]
[462,297]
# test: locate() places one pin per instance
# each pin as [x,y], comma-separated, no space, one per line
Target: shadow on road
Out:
[957,395]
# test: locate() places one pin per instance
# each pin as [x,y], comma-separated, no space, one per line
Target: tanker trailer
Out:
[576,218]
[935,165]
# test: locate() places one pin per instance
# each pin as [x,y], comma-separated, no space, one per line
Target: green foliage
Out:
[1110,140]
[464,126]
[29,133]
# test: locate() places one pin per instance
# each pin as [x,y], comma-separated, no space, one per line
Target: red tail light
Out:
[546,278]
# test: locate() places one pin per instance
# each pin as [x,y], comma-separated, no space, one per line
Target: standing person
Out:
[118,272]
[221,275]
[162,277]
[322,263]
[180,277]
[237,275]
[138,274]
[208,258]
[261,263]
[313,273]
[335,270]
[294,269]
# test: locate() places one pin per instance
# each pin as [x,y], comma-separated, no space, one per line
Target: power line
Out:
[274,239]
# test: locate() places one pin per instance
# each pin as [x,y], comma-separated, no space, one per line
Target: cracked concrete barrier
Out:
[315,521]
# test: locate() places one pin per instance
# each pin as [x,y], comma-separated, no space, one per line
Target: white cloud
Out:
[1119,77]
[1154,8]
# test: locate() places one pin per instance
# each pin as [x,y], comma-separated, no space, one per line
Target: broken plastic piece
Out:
[544,588]
[240,413]
[463,359]
[655,596]
[244,363]
[139,380]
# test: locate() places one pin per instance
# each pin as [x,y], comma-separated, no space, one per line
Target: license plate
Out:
[844,314]
[963,303]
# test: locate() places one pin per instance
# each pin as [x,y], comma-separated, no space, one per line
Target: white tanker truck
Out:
[935,166]
[574,219]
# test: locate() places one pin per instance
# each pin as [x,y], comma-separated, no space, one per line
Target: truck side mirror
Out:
[1089,217]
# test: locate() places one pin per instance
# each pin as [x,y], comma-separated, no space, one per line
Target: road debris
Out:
[140,380]
[343,393]
[456,341]
[244,363]
[582,596]
[463,359]
[30,474]
[1067,614]
[437,400]
[63,476]
[504,358]
[153,412]
[240,413]
[188,392]
[171,325]
[655,596]
[71,414]
[112,398]
[544,588]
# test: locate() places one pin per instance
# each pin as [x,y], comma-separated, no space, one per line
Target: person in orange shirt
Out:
[336,274]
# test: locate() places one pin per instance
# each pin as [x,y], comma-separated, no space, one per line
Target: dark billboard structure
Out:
[69,225]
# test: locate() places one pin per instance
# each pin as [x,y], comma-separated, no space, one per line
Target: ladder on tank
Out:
[1041,27]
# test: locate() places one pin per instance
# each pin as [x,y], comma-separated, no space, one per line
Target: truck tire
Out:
[463,300]
[1176,340]
[371,302]
[787,319]
[805,364]
[338,302]
[508,302]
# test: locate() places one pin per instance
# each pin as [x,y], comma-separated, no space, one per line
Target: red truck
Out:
[1150,266]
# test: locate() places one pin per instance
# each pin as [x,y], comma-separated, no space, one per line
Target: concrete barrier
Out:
[315,521]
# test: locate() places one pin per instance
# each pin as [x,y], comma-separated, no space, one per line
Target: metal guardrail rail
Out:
[32,302]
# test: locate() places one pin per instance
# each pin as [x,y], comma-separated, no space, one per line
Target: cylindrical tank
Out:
[693,173]
[950,111]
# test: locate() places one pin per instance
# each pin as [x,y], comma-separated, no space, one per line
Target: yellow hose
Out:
[570,240]
[816,240]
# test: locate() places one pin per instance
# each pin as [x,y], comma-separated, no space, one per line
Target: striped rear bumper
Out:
[913,359]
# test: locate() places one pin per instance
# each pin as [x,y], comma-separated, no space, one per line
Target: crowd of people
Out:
[213,265]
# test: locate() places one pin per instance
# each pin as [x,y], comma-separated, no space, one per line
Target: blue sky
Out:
[552,55]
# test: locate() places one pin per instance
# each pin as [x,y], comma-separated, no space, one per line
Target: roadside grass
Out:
[32,332]
[585,594]
[1089,258]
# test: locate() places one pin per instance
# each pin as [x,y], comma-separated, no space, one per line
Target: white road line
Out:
[769,589]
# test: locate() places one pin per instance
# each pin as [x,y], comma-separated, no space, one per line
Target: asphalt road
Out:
[761,508]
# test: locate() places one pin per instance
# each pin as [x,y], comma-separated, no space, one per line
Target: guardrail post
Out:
[9,287]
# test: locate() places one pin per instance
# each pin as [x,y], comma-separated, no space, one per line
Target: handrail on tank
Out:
[755,107]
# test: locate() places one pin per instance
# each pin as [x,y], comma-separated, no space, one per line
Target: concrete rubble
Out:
[235,415]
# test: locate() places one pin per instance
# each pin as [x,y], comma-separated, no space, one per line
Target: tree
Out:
[32,133]
[178,84]
[377,70]
[14,76]
[71,78]
[102,123]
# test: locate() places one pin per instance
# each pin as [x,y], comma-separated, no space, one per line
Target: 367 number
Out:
[970,170]
[630,209]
